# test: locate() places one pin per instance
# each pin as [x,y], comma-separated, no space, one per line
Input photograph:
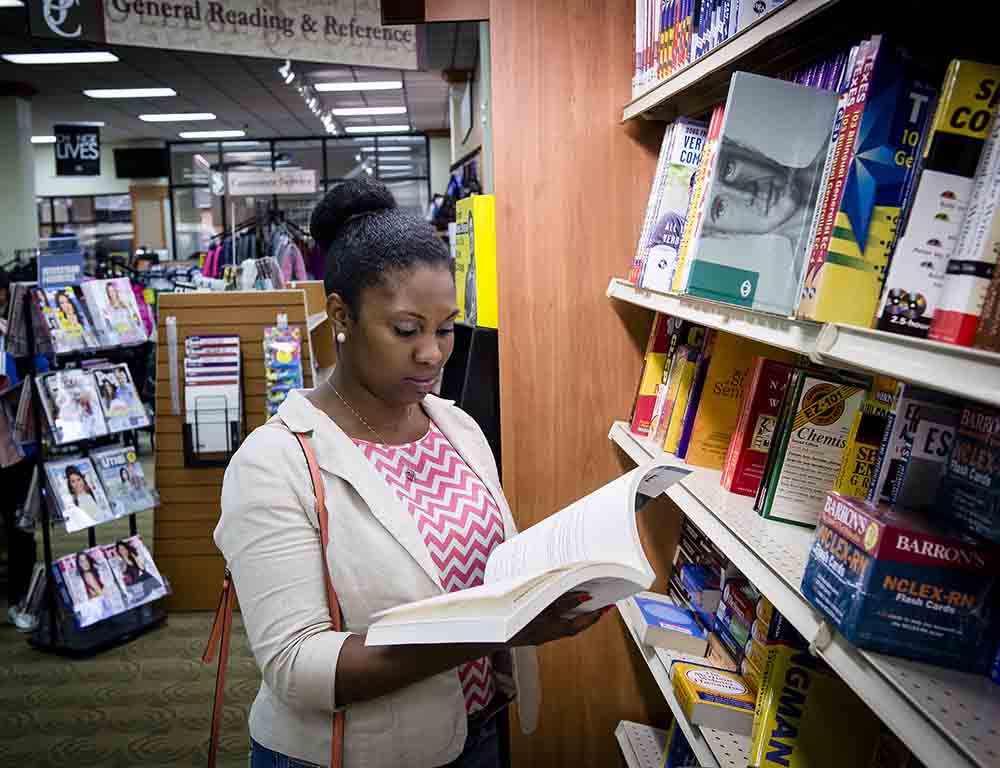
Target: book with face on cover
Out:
[72,407]
[591,546]
[749,246]
[64,318]
[87,586]
[119,399]
[78,493]
[135,572]
[114,311]
[124,482]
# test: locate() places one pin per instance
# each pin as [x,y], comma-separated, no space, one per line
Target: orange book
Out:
[731,359]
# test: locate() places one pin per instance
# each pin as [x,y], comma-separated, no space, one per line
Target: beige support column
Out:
[18,212]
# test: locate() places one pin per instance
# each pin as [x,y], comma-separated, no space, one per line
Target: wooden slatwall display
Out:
[571,186]
[189,496]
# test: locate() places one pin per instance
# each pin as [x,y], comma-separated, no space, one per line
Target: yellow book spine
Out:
[687,371]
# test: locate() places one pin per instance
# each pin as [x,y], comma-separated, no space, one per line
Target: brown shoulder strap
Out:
[222,625]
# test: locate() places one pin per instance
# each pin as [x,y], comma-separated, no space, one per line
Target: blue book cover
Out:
[660,613]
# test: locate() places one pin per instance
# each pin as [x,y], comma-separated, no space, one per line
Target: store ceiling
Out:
[243,92]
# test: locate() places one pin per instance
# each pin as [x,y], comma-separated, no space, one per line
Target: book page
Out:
[600,527]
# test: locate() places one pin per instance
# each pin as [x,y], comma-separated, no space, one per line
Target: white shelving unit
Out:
[960,371]
[945,717]
[714,749]
[638,449]
[776,24]
[642,745]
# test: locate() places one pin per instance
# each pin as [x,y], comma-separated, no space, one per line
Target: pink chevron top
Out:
[458,518]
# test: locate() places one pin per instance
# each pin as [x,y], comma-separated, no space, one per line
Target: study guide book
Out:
[592,546]
[660,623]
[749,245]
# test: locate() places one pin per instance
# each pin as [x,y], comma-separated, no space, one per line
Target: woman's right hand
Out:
[554,624]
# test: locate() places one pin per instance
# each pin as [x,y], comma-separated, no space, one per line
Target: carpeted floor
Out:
[143,705]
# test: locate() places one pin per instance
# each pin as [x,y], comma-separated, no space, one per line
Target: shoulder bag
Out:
[221,627]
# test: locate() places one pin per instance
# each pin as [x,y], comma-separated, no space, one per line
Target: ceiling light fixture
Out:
[380,150]
[211,134]
[177,117]
[129,93]
[43,139]
[377,85]
[377,128]
[10,3]
[352,111]
[62,57]
[394,167]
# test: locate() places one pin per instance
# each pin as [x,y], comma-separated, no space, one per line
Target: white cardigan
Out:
[269,535]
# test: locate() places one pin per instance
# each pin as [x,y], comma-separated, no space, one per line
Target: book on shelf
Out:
[807,717]
[660,623]
[678,753]
[898,582]
[955,140]
[134,572]
[749,242]
[684,347]
[659,242]
[865,439]
[114,311]
[730,359]
[120,402]
[72,406]
[810,445]
[972,264]
[713,698]
[658,348]
[969,493]
[755,428]
[122,477]
[920,428]
[873,163]
[78,494]
[988,325]
[87,586]
[592,545]
[476,261]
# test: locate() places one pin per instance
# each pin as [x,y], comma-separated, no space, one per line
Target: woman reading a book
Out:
[415,508]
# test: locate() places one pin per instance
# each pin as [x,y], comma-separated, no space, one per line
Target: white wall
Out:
[47,184]
[440,162]
[460,147]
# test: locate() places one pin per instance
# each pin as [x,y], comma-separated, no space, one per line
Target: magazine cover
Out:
[123,479]
[88,587]
[135,571]
[70,324]
[78,493]
[72,406]
[119,399]
[751,240]
[115,313]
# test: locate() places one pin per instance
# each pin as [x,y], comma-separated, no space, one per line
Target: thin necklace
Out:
[378,435]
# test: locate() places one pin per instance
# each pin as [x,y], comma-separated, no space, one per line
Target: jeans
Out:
[482,750]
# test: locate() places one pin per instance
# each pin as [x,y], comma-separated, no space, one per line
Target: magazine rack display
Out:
[190,490]
[91,411]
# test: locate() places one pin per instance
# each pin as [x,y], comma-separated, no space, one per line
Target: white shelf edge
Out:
[637,448]
[699,745]
[969,373]
[775,23]
[875,678]
[784,332]
[632,759]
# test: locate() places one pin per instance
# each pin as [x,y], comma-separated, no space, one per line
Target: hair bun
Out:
[347,201]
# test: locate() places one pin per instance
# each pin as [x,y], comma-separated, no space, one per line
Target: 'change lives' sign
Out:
[78,150]
[329,31]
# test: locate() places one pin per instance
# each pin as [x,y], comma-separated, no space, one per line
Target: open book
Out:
[592,546]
